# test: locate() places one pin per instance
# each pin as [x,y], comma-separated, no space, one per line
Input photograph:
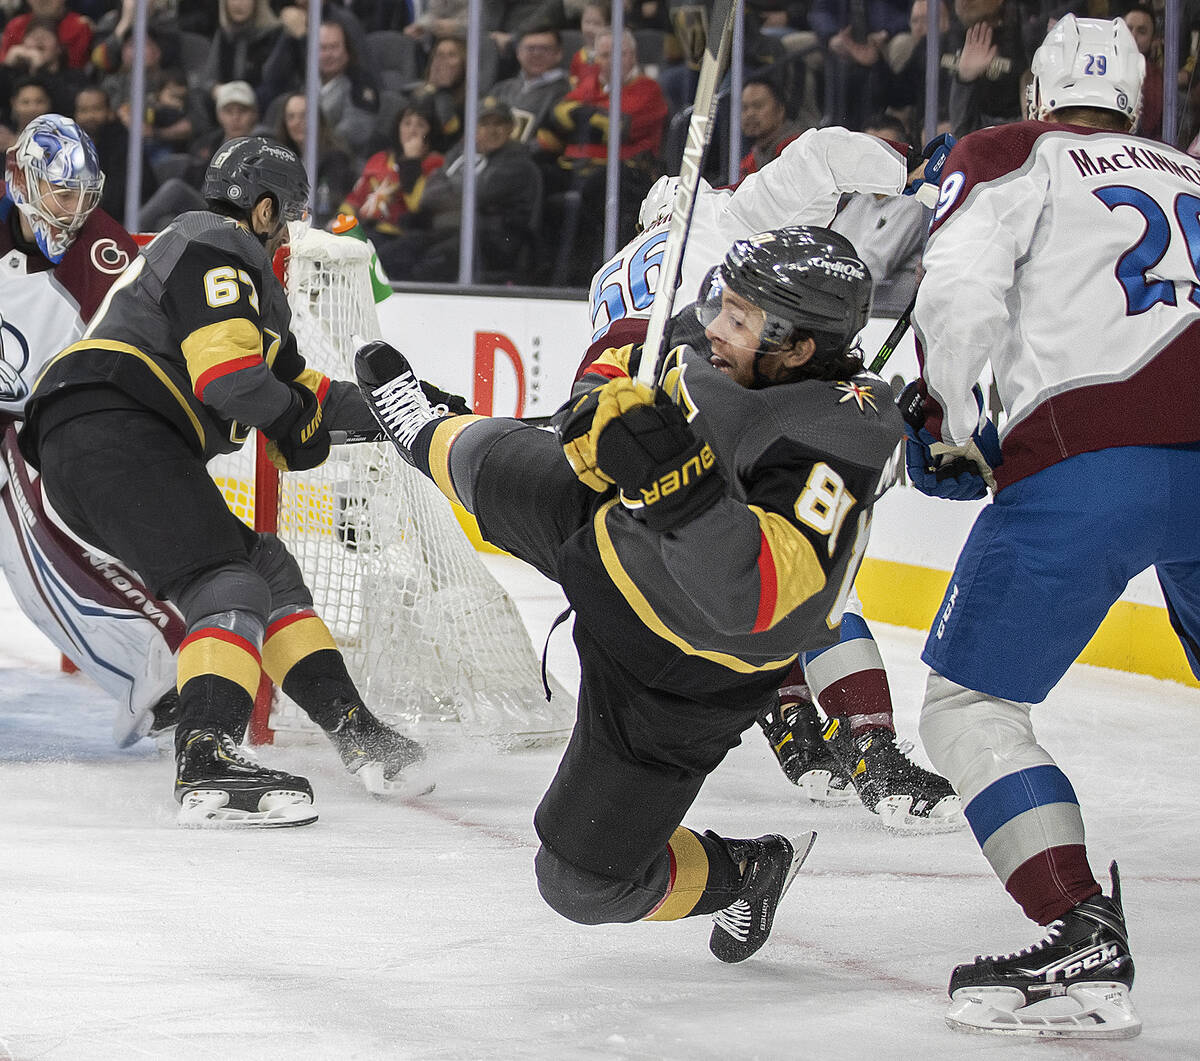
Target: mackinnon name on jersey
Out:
[1131,156]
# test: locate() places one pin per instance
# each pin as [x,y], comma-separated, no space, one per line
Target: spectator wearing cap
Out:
[95,116]
[507,194]
[764,123]
[245,37]
[74,31]
[538,85]
[388,194]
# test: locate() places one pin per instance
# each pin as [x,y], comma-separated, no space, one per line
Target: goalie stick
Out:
[712,67]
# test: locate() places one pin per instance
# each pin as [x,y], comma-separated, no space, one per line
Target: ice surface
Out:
[415,930]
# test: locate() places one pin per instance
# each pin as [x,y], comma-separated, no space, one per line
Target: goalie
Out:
[192,349]
[701,532]
[62,256]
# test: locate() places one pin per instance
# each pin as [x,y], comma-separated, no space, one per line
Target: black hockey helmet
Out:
[247,168]
[808,281]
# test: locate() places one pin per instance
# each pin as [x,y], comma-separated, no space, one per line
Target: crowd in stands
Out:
[393,98]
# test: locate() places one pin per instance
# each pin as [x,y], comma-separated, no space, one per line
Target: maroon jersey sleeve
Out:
[101,252]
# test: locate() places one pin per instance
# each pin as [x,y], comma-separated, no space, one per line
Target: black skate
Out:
[793,729]
[393,393]
[217,785]
[379,756]
[772,861]
[908,798]
[1073,983]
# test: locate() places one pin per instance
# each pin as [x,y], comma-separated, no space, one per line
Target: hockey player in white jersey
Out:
[1063,251]
[61,255]
[859,756]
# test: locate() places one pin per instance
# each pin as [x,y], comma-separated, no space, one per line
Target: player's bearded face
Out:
[735,333]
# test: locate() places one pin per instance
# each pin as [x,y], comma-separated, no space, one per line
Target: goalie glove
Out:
[299,439]
[955,472]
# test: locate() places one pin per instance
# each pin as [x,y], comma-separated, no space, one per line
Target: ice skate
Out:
[377,755]
[793,729]
[394,395]
[772,862]
[217,785]
[1072,983]
[908,798]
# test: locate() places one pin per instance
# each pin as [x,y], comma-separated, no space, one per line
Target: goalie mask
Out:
[246,169]
[807,281]
[1088,62]
[54,178]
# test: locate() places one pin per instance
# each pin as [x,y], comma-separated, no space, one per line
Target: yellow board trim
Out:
[691,877]
[125,348]
[1133,637]
[628,589]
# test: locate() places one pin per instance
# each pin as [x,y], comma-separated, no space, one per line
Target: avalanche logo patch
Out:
[856,392]
[108,257]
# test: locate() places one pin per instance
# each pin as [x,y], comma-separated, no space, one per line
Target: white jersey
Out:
[44,309]
[1070,259]
[800,187]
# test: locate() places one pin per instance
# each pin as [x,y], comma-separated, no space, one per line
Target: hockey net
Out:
[429,635]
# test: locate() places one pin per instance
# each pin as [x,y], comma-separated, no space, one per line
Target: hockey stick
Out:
[899,329]
[712,67]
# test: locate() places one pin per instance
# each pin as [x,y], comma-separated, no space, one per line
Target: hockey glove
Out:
[927,186]
[664,471]
[454,404]
[957,473]
[299,439]
[580,423]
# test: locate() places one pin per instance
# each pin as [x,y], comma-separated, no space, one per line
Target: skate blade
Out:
[816,785]
[1100,1010]
[276,810]
[945,817]
[409,783]
[802,844]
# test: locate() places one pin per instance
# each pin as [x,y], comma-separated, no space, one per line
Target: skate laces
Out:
[403,407]
[735,919]
[1053,931]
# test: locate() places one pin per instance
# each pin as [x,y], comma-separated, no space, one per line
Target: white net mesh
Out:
[428,633]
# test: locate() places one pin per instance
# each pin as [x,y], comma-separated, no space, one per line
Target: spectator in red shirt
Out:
[74,31]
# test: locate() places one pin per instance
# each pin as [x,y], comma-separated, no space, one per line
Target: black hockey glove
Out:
[454,404]
[299,439]
[664,471]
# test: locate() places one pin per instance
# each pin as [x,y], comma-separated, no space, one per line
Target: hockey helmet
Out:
[246,169]
[54,178]
[660,201]
[1088,62]
[806,280]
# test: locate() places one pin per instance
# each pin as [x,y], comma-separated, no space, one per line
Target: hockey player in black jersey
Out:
[703,532]
[191,350]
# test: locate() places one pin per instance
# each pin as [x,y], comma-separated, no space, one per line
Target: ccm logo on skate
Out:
[947,610]
[1077,966]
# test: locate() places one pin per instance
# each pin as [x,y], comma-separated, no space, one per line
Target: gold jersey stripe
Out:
[798,572]
[149,362]
[290,644]
[439,452]
[689,877]
[209,348]
[628,589]
[226,658]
